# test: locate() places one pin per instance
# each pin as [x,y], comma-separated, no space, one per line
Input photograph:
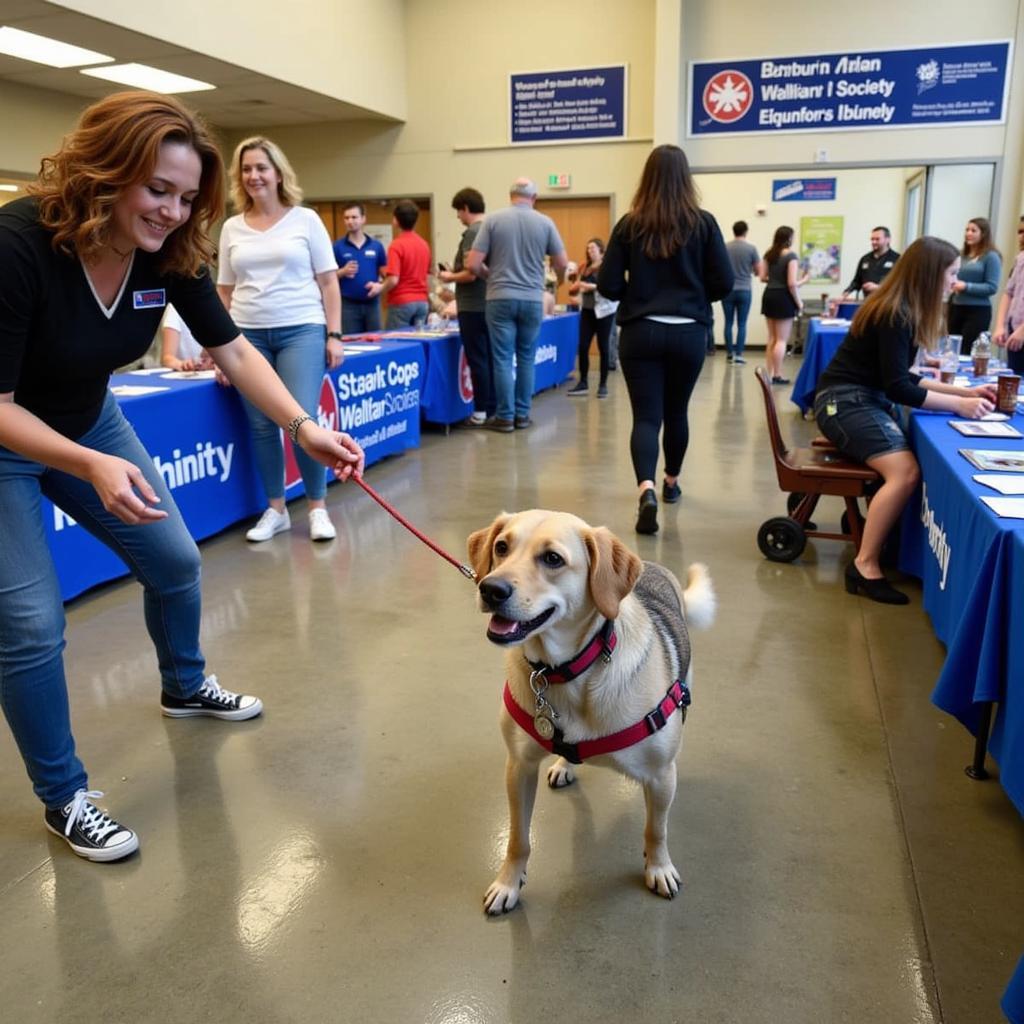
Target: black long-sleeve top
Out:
[873,269]
[684,285]
[879,358]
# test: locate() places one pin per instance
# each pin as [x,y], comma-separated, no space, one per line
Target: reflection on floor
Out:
[327,862]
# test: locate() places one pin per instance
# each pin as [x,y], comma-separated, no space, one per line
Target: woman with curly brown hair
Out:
[115,228]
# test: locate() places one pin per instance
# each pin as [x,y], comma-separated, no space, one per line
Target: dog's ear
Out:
[614,570]
[481,543]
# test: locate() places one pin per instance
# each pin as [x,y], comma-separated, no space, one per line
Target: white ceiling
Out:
[242,98]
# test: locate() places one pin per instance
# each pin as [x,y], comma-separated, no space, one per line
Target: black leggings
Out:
[591,324]
[968,322]
[661,364]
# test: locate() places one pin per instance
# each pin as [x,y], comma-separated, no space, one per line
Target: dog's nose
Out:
[495,592]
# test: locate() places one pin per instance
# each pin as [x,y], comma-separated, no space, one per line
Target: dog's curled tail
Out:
[699,597]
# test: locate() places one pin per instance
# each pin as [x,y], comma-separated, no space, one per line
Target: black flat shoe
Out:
[874,589]
[780,380]
[670,493]
[647,515]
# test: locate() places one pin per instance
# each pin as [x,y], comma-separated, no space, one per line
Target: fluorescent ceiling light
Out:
[29,46]
[144,77]
[10,188]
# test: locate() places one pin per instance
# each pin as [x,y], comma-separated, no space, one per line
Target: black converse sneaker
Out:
[89,830]
[213,702]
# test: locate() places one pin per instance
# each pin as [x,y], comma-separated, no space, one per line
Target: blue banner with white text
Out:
[585,105]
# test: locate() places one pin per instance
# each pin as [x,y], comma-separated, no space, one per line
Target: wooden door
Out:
[578,219]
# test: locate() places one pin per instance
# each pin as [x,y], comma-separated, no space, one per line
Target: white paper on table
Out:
[360,346]
[1004,483]
[134,390]
[978,428]
[149,371]
[833,321]
[190,375]
[1005,508]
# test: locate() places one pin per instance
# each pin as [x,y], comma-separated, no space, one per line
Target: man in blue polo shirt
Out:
[361,260]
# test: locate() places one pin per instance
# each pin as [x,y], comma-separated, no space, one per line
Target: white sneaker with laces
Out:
[270,523]
[89,830]
[320,525]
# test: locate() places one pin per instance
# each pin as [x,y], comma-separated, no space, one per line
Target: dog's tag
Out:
[544,726]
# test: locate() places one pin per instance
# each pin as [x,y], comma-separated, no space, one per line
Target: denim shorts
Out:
[861,422]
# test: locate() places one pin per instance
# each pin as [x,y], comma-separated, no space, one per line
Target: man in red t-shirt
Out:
[407,269]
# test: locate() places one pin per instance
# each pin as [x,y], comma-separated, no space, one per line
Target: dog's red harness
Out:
[602,645]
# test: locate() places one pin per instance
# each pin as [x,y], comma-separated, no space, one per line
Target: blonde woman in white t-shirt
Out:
[277,276]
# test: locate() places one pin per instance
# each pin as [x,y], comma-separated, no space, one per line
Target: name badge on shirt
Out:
[152,298]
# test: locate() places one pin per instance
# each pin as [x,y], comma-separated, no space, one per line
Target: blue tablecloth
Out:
[199,438]
[820,347]
[971,564]
[1013,999]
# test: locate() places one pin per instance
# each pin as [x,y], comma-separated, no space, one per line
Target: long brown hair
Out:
[115,146]
[984,243]
[585,265]
[912,292]
[783,240]
[665,210]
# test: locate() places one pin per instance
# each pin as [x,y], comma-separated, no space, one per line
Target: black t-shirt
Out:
[57,345]
[873,269]
[880,358]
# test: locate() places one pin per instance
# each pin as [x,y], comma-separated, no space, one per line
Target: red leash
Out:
[391,510]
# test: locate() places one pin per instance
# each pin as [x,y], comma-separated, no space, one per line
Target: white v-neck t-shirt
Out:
[273,271]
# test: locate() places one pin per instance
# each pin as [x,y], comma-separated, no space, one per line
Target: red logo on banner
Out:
[326,415]
[728,96]
[465,377]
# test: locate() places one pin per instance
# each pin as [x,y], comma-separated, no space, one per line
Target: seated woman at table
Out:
[981,268]
[781,301]
[278,278]
[859,392]
[179,349]
[116,226]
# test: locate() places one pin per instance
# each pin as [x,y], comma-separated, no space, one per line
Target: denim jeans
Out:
[299,355]
[513,325]
[408,314]
[162,557]
[736,303]
[359,317]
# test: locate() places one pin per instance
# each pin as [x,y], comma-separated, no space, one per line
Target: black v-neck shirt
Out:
[57,346]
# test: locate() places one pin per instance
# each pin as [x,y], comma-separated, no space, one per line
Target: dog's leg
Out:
[660,874]
[560,774]
[521,787]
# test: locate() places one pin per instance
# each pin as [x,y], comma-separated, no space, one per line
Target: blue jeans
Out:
[299,355]
[513,325]
[736,303]
[162,557]
[408,314]
[359,317]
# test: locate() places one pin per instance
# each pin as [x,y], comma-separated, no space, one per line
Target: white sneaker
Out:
[270,523]
[478,419]
[320,525]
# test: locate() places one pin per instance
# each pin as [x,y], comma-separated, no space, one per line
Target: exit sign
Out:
[559,181]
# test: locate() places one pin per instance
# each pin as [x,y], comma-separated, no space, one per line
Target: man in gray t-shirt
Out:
[508,253]
[745,263]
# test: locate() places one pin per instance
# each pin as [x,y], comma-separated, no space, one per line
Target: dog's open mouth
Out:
[507,631]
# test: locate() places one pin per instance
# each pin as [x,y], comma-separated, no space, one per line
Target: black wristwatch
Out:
[337,335]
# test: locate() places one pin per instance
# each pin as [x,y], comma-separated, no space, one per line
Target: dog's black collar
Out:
[601,644]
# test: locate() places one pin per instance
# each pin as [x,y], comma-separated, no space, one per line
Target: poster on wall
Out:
[803,190]
[579,105]
[931,86]
[821,248]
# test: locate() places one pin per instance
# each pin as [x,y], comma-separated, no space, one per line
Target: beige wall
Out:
[34,121]
[351,50]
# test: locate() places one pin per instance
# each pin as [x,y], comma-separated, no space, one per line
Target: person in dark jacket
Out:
[666,263]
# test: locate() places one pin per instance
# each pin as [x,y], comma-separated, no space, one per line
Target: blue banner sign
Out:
[805,190]
[933,86]
[568,106]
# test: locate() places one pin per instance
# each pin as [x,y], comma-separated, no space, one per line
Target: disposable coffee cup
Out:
[948,376]
[1006,399]
[980,366]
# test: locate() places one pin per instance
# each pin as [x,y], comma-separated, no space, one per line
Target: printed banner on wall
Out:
[806,190]
[582,105]
[821,248]
[934,86]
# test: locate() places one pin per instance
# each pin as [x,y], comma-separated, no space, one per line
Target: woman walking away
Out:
[869,376]
[781,301]
[666,263]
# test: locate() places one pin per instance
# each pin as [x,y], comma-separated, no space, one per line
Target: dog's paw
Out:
[500,897]
[662,879]
[560,774]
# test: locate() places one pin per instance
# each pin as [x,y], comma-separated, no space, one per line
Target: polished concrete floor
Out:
[327,861]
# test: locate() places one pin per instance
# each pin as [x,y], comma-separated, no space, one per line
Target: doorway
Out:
[578,219]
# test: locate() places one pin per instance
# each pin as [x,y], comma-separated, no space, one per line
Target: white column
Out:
[669,73]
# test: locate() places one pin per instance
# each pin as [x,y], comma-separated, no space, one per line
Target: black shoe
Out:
[522,422]
[602,391]
[89,830]
[670,493]
[500,425]
[579,390]
[210,701]
[780,380]
[874,589]
[647,514]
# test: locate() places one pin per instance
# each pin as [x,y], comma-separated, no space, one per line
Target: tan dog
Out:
[550,583]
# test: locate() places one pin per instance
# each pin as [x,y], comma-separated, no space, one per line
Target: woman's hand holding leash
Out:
[339,452]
